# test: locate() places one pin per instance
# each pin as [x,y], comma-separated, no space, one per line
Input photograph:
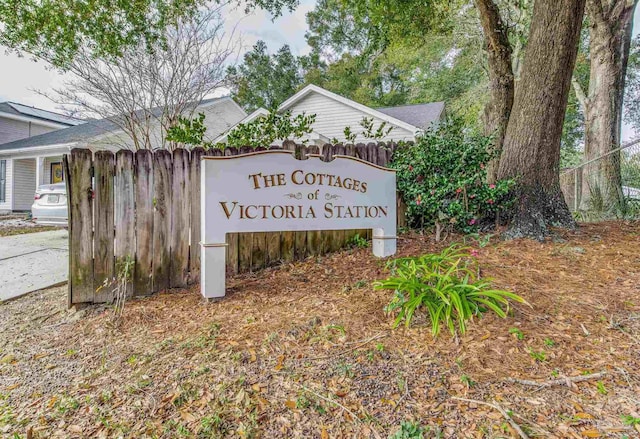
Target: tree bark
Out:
[531,152]
[609,41]
[501,84]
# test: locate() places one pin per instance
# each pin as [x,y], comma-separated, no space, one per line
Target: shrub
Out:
[447,286]
[442,179]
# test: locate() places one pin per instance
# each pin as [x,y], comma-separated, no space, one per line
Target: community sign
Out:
[272,191]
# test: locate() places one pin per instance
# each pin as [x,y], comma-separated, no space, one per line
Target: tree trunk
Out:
[532,141]
[609,42]
[501,85]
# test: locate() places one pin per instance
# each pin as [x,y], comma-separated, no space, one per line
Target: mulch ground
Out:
[18,224]
[306,350]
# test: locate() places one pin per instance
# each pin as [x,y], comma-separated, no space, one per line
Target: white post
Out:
[39,171]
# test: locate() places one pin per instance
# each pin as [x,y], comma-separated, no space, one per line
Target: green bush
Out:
[447,286]
[442,178]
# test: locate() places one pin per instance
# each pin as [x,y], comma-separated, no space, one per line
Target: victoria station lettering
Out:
[265,211]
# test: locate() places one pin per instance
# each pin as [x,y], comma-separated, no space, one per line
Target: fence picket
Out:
[161,219]
[194,247]
[103,247]
[80,196]
[125,213]
[143,270]
[180,219]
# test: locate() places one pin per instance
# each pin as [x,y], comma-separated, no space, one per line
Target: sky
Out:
[21,78]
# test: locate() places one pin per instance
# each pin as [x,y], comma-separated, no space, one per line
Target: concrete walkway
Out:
[32,261]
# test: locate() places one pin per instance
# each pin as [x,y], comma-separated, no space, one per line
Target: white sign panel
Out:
[271,191]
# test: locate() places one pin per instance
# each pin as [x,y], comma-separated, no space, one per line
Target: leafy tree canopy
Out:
[264,80]
[56,30]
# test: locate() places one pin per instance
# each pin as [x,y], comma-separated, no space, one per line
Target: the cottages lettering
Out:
[301,178]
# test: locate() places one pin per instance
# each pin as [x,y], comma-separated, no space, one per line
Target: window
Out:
[3,181]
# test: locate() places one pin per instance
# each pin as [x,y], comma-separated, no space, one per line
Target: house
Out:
[30,162]
[19,121]
[334,113]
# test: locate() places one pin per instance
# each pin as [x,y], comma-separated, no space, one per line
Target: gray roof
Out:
[78,133]
[418,115]
[38,113]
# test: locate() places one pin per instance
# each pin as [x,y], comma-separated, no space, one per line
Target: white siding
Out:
[333,116]
[40,129]
[24,183]
[6,206]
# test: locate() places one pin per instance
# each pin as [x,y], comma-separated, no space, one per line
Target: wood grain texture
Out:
[80,205]
[195,170]
[125,213]
[162,169]
[144,196]
[103,246]
[180,218]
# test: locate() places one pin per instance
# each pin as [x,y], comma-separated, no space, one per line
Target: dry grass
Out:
[305,350]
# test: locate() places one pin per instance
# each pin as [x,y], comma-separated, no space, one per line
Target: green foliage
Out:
[358,241]
[540,356]
[517,333]
[447,286]
[630,420]
[632,86]
[189,132]
[57,31]
[263,80]
[263,131]
[409,430]
[442,178]
[602,390]
[369,131]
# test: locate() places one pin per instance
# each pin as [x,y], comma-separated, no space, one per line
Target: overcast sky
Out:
[20,77]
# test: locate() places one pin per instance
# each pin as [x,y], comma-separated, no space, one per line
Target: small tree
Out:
[151,85]
[442,179]
[264,131]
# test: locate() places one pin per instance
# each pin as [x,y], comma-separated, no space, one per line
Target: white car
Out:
[50,205]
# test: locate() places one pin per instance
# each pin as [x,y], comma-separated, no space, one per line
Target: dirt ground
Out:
[18,224]
[305,350]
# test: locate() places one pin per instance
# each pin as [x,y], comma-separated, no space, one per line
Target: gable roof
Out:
[84,132]
[418,115]
[311,88]
[19,111]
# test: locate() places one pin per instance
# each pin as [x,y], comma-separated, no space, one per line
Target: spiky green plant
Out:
[447,286]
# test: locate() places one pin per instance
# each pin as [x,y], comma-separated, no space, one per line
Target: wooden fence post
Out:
[103,247]
[194,249]
[80,196]
[125,216]
[161,219]
[143,271]
[180,219]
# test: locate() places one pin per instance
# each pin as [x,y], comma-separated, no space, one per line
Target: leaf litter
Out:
[305,350]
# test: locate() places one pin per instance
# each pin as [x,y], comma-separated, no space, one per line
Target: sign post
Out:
[272,191]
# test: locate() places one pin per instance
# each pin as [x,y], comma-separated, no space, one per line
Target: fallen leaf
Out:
[591,433]
[290,404]
[324,434]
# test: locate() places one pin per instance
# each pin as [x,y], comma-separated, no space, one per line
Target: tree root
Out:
[567,381]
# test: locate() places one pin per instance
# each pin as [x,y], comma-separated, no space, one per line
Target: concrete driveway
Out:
[32,261]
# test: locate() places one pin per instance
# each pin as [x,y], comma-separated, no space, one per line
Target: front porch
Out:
[22,175]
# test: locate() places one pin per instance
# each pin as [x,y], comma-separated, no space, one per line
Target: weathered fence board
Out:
[125,215]
[103,258]
[162,170]
[180,219]
[80,210]
[147,207]
[194,248]
[143,271]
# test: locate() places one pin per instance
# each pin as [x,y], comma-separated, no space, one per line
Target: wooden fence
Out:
[142,209]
